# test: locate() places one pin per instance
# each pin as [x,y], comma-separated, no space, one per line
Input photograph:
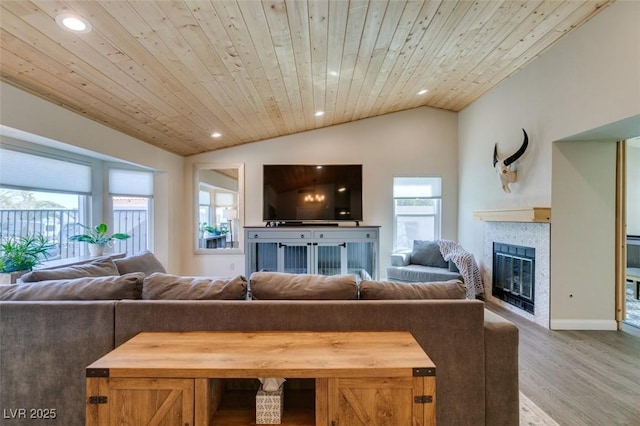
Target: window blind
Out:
[205,198]
[224,199]
[19,170]
[130,182]
[417,187]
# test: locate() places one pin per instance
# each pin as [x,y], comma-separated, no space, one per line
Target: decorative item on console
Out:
[504,167]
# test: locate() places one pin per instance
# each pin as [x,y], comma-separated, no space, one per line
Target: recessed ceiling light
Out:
[422,92]
[319,113]
[333,73]
[73,23]
[216,134]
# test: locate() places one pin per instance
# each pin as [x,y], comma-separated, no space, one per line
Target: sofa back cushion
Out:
[113,287]
[427,253]
[99,267]
[161,286]
[145,262]
[381,290]
[283,286]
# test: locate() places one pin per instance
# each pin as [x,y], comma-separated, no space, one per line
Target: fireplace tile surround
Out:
[530,234]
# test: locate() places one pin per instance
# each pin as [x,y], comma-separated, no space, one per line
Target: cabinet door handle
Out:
[301,235]
[255,235]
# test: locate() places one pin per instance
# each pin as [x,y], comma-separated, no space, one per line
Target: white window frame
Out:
[434,193]
[86,199]
[145,192]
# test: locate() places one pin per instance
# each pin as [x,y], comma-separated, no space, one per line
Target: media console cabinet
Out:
[180,378]
[323,250]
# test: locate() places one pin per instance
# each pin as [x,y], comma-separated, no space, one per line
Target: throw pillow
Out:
[144,261]
[380,290]
[283,286]
[172,287]
[427,253]
[100,267]
[88,288]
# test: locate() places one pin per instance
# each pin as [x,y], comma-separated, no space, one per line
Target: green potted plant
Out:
[97,237]
[210,229]
[19,255]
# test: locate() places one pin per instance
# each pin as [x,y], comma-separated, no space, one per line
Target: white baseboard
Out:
[584,324]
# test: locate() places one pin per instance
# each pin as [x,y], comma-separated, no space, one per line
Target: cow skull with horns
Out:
[504,168]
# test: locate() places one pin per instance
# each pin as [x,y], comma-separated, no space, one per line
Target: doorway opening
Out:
[632,233]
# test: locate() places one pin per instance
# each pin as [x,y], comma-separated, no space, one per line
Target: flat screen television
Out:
[312,193]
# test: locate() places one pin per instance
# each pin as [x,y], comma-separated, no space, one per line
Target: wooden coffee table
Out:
[180,378]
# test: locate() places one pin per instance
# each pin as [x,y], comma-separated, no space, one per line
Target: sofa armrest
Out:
[502,396]
[402,258]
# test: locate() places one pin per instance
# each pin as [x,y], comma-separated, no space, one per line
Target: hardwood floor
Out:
[580,378]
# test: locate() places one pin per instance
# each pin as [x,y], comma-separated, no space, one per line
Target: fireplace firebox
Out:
[514,275]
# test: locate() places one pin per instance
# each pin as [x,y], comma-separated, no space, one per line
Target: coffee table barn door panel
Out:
[140,402]
[380,401]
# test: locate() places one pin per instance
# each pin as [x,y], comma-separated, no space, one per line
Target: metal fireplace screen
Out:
[514,275]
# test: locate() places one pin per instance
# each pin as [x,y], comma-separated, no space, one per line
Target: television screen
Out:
[307,193]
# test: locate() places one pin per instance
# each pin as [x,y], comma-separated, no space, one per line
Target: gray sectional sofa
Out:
[45,345]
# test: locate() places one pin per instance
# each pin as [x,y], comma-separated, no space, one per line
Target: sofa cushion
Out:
[419,273]
[103,266]
[427,253]
[114,287]
[283,286]
[380,290]
[172,287]
[144,261]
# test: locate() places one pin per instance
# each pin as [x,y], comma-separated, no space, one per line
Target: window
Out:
[416,210]
[48,191]
[204,208]
[52,214]
[225,202]
[131,193]
[50,199]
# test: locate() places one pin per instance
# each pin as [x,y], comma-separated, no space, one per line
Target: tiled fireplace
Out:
[529,243]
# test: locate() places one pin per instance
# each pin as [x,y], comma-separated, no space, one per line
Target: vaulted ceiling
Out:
[172,72]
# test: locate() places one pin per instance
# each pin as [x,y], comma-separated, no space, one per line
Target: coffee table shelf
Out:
[239,408]
[191,378]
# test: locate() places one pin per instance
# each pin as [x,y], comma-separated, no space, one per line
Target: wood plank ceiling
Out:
[172,72]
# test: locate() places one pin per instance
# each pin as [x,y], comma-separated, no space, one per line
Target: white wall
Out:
[587,80]
[421,141]
[583,235]
[67,130]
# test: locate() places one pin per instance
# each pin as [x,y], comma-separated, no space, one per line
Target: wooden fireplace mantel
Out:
[531,214]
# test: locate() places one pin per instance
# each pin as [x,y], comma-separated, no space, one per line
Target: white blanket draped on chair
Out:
[466,263]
